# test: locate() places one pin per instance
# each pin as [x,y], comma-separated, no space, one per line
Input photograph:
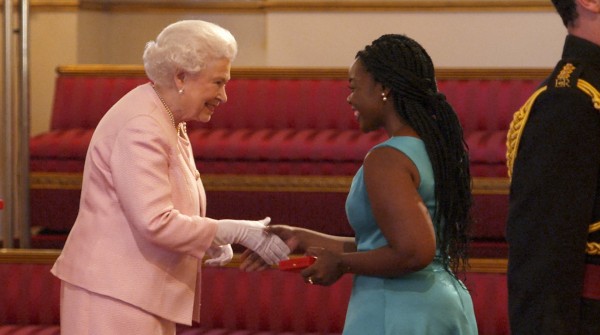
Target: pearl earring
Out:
[383,97]
[181,90]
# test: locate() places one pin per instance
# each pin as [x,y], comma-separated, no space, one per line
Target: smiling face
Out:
[204,91]
[365,98]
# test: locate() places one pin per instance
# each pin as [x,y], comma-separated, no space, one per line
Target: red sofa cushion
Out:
[272,300]
[284,103]
[81,101]
[291,144]
[233,301]
[29,330]
[490,300]
[61,150]
[29,294]
[282,118]
[299,125]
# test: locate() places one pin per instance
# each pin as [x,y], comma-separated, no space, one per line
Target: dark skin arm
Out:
[391,180]
[299,240]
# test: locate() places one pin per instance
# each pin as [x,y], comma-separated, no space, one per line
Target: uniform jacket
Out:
[554,198]
[141,228]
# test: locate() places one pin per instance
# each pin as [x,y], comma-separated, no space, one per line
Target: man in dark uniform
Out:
[553,228]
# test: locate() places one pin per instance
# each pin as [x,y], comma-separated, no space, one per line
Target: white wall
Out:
[467,39]
[52,41]
[474,39]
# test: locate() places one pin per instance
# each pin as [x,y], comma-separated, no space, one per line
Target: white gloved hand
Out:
[219,255]
[252,235]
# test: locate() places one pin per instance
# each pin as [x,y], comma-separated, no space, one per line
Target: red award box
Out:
[297,263]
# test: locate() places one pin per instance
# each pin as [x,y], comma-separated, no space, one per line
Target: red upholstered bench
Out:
[233,302]
[29,294]
[285,145]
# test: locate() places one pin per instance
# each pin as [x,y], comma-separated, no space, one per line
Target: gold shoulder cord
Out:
[515,130]
[593,248]
[591,91]
[517,125]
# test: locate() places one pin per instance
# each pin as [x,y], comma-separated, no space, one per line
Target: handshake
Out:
[250,234]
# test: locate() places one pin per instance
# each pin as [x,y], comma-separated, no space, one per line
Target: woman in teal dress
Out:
[408,204]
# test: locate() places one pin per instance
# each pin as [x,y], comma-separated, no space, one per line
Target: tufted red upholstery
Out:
[272,300]
[29,297]
[292,123]
[285,103]
[490,297]
[29,329]
[233,302]
[82,102]
[283,119]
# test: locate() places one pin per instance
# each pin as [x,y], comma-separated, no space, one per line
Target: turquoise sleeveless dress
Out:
[427,302]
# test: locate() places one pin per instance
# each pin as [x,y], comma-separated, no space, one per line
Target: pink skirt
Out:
[86,313]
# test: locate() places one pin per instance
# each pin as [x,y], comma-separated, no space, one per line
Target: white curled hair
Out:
[186,45]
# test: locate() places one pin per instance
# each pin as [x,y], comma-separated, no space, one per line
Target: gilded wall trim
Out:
[55,181]
[259,183]
[491,185]
[54,5]
[408,5]
[47,256]
[127,70]
[265,6]
[309,72]
[28,256]
[315,5]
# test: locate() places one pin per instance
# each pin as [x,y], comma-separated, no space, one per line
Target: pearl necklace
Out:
[167,108]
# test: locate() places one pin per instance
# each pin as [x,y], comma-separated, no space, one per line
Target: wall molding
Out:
[307,72]
[49,256]
[54,5]
[293,5]
[259,183]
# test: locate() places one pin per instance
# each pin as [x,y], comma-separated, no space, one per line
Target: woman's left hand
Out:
[326,270]
[219,255]
[251,261]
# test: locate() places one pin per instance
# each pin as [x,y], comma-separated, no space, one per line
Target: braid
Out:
[403,66]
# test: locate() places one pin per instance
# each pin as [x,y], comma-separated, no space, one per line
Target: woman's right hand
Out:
[251,261]
[253,235]
[288,235]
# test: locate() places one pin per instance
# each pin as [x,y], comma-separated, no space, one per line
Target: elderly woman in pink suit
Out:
[131,264]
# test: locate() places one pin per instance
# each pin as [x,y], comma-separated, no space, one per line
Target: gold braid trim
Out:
[591,91]
[594,227]
[517,125]
[515,130]
[593,248]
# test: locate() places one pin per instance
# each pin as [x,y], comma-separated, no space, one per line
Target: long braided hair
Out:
[403,66]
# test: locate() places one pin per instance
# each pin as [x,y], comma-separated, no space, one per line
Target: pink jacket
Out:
[141,229]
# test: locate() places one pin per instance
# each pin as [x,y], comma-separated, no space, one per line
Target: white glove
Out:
[252,235]
[219,255]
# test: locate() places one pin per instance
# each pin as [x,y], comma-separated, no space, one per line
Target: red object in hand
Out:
[297,263]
